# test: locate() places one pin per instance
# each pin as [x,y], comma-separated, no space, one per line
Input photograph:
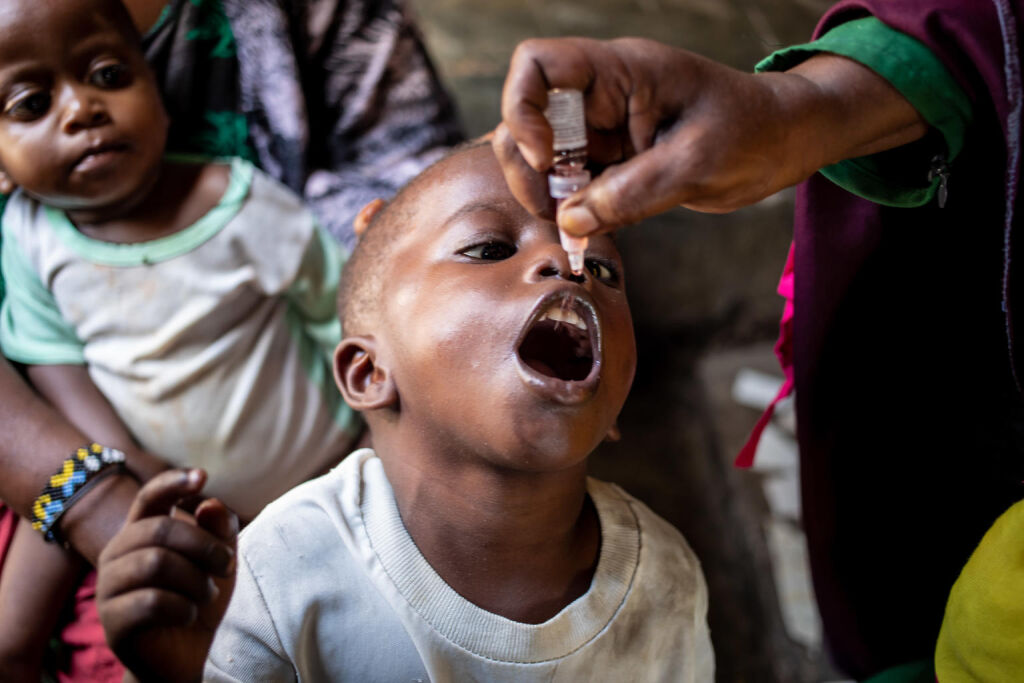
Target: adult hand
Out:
[165,580]
[669,127]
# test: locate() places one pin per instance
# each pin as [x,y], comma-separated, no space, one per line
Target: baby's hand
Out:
[165,581]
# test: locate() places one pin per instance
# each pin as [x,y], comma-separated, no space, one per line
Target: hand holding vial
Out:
[667,127]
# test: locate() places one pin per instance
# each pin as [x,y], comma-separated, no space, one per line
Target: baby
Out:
[173,307]
[469,544]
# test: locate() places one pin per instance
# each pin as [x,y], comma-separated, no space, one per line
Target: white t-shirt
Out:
[331,587]
[213,344]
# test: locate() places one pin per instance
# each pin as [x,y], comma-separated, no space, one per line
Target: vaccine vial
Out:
[568,173]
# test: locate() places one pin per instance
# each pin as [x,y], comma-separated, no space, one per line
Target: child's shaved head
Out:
[361,282]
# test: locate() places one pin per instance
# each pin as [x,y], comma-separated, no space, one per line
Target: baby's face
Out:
[81,121]
[494,344]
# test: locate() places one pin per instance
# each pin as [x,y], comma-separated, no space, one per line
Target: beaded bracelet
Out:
[79,473]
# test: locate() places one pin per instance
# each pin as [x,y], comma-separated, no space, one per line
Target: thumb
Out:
[651,182]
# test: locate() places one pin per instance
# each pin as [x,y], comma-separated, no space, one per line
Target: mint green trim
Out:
[32,328]
[155,251]
[312,319]
[919,75]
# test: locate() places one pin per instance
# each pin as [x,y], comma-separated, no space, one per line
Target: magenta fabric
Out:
[8,523]
[91,660]
[784,352]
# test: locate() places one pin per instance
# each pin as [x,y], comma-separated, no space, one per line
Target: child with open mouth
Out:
[469,543]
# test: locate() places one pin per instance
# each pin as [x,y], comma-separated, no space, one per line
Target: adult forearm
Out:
[36,441]
[846,111]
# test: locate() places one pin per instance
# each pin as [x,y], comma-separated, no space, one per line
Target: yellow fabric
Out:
[982,636]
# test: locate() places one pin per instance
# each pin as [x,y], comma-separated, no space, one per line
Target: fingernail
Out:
[577,220]
[214,591]
[194,476]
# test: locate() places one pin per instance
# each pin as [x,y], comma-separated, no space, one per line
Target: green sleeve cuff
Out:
[32,329]
[313,320]
[917,73]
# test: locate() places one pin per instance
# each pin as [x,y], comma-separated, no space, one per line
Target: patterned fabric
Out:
[338,100]
[86,465]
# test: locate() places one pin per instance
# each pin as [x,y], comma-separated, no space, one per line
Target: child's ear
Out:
[364,383]
[366,214]
[6,184]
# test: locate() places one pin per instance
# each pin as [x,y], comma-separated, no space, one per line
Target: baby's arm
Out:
[72,392]
[37,579]
[166,578]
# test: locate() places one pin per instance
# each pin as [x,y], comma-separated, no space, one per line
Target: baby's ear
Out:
[6,184]
[366,214]
[364,383]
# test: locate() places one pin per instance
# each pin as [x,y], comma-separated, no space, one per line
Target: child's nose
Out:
[81,110]
[552,261]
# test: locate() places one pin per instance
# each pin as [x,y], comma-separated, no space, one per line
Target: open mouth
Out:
[560,342]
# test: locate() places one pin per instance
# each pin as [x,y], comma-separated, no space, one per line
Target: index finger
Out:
[161,493]
[538,65]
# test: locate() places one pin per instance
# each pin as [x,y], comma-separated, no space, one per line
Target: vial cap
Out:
[565,115]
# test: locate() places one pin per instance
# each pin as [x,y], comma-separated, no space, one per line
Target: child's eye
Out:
[110,76]
[602,271]
[29,107]
[490,251]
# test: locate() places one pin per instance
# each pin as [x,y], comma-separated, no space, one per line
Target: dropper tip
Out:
[576,262]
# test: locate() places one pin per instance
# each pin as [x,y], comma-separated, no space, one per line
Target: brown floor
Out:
[703,298]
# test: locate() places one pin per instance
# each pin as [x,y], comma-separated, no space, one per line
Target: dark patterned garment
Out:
[338,100]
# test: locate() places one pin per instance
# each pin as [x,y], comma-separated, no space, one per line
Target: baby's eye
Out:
[110,76]
[490,251]
[29,107]
[602,271]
